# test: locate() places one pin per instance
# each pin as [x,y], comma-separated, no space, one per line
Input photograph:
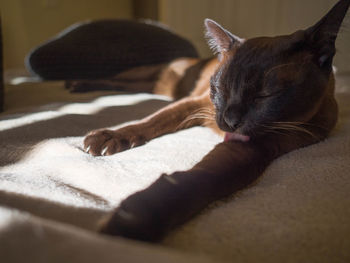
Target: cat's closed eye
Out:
[264,95]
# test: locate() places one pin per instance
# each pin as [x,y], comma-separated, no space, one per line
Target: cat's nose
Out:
[232,116]
[232,123]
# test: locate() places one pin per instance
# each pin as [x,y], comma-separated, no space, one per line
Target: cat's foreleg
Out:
[171,118]
[173,199]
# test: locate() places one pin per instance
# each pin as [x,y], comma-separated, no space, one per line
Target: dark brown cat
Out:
[270,95]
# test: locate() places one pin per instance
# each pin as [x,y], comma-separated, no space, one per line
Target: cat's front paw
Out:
[108,142]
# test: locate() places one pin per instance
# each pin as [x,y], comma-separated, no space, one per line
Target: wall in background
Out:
[27,23]
[145,9]
[249,18]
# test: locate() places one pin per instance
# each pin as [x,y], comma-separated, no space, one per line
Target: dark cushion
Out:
[101,49]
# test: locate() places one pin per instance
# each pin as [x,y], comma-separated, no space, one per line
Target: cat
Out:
[267,96]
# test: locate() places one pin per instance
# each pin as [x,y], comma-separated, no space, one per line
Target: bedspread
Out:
[53,194]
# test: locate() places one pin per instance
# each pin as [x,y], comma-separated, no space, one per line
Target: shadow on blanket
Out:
[81,217]
[17,141]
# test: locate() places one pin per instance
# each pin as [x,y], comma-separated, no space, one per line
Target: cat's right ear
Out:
[220,40]
[323,34]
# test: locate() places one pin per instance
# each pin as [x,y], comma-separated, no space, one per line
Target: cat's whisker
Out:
[196,116]
[272,129]
[205,109]
[209,114]
[302,123]
[285,126]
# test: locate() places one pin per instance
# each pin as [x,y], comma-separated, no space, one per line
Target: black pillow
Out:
[101,49]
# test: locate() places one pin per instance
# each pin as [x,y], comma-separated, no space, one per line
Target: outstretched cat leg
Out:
[176,116]
[172,199]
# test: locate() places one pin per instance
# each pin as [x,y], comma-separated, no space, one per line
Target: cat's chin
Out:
[233,136]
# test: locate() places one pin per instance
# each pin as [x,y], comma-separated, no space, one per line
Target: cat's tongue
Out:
[232,136]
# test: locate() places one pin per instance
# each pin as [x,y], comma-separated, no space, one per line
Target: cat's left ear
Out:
[220,40]
[321,37]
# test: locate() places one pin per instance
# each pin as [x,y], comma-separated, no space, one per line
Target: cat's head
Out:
[263,81]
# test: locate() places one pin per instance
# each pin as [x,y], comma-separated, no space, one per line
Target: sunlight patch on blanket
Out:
[59,170]
[108,101]
[29,119]
[79,108]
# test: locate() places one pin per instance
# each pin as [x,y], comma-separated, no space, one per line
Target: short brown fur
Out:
[275,93]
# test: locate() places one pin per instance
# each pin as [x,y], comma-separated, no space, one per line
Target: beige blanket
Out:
[52,194]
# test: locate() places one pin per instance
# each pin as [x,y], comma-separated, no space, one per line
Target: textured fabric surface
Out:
[53,194]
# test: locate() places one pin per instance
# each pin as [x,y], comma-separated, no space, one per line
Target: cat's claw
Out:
[104,151]
[108,142]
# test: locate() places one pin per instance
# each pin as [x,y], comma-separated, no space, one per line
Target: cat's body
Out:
[269,96]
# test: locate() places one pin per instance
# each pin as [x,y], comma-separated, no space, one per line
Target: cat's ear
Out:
[219,39]
[321,37]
